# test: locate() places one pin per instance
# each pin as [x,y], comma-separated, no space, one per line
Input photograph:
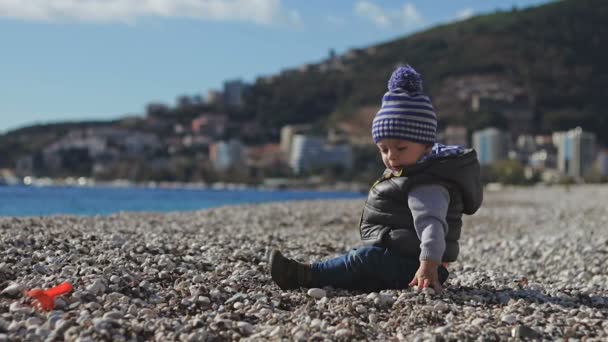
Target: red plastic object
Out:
[46,298]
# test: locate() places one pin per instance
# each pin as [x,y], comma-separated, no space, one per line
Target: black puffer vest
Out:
[387,220]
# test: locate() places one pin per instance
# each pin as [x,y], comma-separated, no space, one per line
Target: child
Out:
[412,218]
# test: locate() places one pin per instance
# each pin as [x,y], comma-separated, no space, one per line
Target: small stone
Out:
[115,279]
[300,335]
[478,321]
[17,307]
[245,328]
[440,306]
[42,332]
[102,323]
[115,315]
[13,289]
[316,323]
[96,288]
[317,293]
[250,273]
[14,326]
[60,303]
[237,297]
[62,325]
[71,333]
[523,332]
[342,333]
[198,279]
[39,268]
[384,300]
[428,291]
[372,296]
[509,319]
[275,332]
[33,322]
[361,309]
[442,330]
[237,305]
[372,318]
[427,308]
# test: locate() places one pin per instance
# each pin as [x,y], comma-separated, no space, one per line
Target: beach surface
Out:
[533,264]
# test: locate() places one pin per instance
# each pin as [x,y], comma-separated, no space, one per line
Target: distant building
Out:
[214,97]
[525,146]
[491,145]
[101,146]
[225,155]
[542,160]
[265,156]
[575,152]
[7,177]
[233,93]
[454,135]
[602,163]
[309,153]
[210,124]
[287,134]
[543,140]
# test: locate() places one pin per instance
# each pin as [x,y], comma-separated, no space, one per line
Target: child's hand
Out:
[427,276]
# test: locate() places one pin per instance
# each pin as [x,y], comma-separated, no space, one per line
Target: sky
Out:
[104,59]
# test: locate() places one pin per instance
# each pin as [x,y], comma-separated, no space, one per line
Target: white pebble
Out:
[509,319]
[96,288]
[478,321]
[317,293]
[13,289]
[442,330]
[342,333]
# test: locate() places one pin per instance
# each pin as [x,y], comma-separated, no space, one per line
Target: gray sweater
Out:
[429,207]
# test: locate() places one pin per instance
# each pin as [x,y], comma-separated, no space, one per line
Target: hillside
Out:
[551,58]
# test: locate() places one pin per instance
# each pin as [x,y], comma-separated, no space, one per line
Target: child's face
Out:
[398,154]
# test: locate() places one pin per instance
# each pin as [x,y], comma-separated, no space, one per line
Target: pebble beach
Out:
[533,265]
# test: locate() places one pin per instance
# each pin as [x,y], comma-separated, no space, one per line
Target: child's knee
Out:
[366,254]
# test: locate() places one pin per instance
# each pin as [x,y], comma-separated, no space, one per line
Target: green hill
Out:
[552,57]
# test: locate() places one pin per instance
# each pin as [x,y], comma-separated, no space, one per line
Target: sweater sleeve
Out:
[429,207]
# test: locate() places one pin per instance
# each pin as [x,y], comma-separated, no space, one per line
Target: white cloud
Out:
[373,13]
[263,12]
[408,15]
[465,14]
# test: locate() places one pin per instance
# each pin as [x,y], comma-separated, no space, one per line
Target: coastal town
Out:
[205,150]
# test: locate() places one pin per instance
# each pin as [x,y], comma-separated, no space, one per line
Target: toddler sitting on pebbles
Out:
[412,218]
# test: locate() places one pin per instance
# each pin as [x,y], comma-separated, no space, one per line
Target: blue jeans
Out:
[368,268]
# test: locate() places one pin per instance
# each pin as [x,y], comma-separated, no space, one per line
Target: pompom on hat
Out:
[406,113]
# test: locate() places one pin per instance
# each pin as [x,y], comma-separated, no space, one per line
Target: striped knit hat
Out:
[406,112]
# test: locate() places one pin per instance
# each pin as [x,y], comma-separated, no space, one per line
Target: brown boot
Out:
[289,274]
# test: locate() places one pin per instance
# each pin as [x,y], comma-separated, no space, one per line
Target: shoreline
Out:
[531,264]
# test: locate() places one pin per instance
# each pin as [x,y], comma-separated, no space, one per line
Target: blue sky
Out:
[103,59]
